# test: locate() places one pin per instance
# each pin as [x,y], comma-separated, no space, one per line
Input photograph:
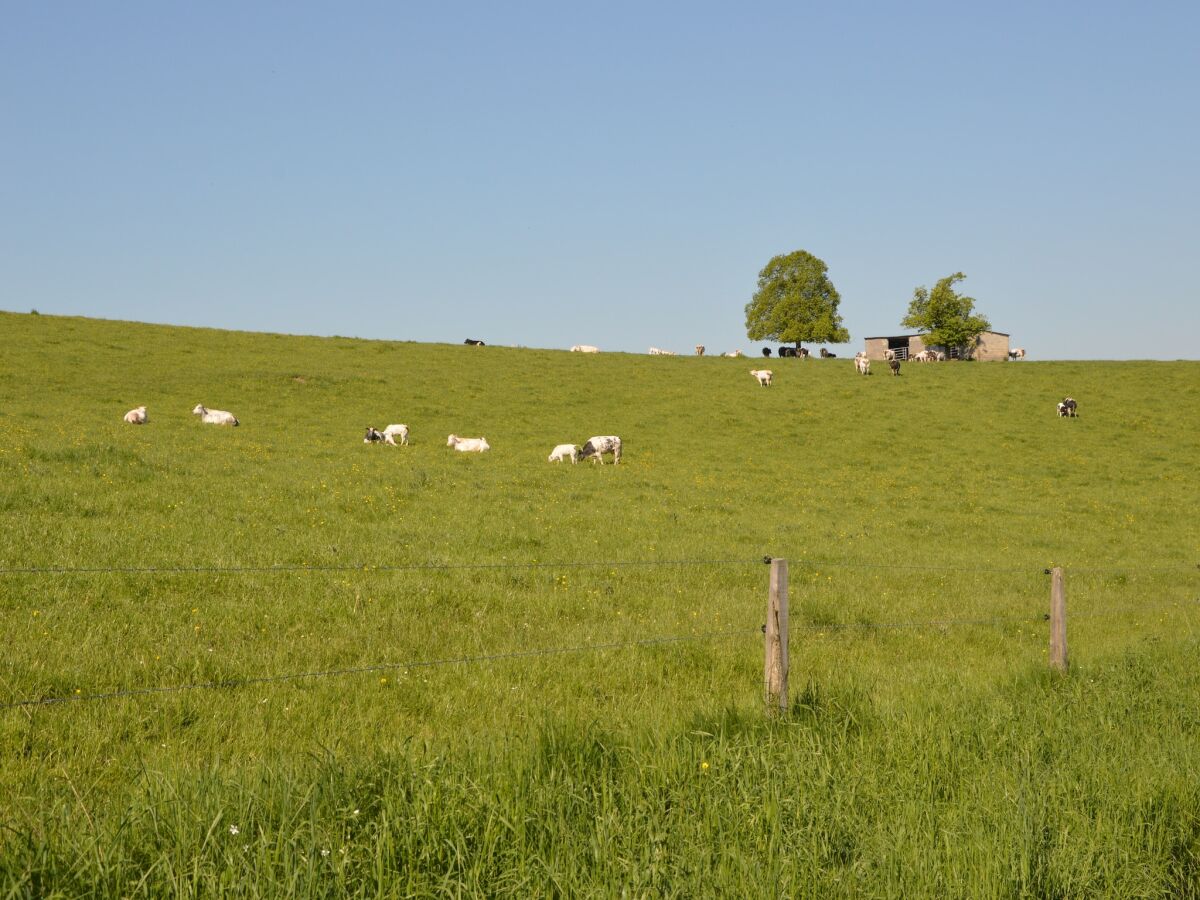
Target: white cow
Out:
[889,354]
[924,356]
[585,348]
[136,416]
[214,416]
[699,349]
[941,355]
[862,365]
[732,354]
[764,376]
[564,451]
[1018,353]
[395,431]
[597,446]
[468,445]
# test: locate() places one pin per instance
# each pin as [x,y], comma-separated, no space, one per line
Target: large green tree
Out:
[795,302]
[948,316]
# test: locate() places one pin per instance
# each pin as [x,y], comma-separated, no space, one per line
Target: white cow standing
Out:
[862,365]
[564,451]
[763,376]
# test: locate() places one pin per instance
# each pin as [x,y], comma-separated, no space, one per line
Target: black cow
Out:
[895,364]
[766,351]
[471,342]
[825,354]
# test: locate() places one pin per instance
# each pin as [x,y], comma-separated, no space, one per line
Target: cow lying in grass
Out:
[468,445]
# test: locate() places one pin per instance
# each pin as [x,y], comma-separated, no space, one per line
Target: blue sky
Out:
[548,174]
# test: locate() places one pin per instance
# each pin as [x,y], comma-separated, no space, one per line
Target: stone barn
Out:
[992,345]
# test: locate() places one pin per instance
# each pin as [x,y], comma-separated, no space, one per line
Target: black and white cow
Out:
[1067,408]
[597,446]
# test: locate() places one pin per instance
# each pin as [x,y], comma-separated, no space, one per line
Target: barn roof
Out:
[888,337]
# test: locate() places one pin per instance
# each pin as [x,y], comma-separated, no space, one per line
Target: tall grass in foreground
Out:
[1049,788]
[927,753]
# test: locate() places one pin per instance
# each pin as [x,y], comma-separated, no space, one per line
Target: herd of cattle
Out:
[597,446]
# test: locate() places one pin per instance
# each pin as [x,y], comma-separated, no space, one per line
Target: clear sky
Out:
[614,174]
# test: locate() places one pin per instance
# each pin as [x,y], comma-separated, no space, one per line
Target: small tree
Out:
[946,315]
[795,302]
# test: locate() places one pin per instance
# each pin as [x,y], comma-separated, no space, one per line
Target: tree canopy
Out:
[946,315]
[795,302]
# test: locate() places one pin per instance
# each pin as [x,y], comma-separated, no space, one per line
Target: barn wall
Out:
[874,347]
[992,346]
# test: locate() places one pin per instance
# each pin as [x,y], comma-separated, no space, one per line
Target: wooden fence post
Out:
[775,666]
[1058,620]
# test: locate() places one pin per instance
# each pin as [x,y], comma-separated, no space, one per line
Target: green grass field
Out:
[927,752]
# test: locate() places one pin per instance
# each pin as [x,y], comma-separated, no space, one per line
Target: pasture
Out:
[602,731]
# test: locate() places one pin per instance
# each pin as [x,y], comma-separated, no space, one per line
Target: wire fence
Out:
[801,565]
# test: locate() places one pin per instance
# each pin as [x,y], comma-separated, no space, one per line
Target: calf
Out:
[894,364]
[564,451]
[862,365]
[597,446]
[764,376]
[372,436]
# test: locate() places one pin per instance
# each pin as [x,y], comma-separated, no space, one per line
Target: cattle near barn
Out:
[993,345]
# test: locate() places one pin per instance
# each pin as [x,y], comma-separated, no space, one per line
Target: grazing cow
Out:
[1067,408]
[941,356]
[214,416]
[862,365]
[136,416]
[895,365]
[889,354]
[732,354]
[395,431]
[764,376]
[473,343]
[564,451]
[700,349]
[585,348]
[597,446]
[924,356]
[468,445]
[766,351]
[1018,353]
[825,354]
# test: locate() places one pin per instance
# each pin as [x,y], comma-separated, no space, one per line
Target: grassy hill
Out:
[927,752]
